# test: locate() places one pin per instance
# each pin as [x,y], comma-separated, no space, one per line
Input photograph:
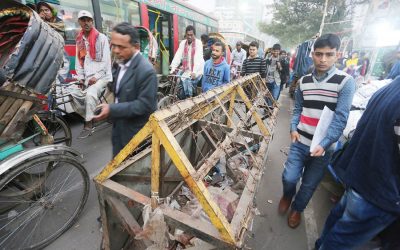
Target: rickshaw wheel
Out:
[44,197]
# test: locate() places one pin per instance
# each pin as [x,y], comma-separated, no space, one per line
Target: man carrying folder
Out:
[326,86]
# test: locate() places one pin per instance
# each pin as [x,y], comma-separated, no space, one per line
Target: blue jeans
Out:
[352,222]
[275,91]
[188,86]
[300,164]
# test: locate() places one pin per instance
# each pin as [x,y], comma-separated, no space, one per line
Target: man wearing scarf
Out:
[190,54]
[93,66]
[216,70]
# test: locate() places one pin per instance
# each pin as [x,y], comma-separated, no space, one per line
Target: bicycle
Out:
[172,90]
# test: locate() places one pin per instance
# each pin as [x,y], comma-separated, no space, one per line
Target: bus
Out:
[166,19]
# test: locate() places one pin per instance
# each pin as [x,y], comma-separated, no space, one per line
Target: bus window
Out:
[68,12]
[183,23]
[114,12]
[200,29]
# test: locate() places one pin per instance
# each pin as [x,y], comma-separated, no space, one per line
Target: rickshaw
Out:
[43,184]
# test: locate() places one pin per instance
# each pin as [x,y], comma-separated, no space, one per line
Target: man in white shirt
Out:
[238,54]
[190,54]
[93,66]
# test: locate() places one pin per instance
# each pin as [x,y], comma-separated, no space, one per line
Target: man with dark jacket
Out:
[370,170]
[135,88]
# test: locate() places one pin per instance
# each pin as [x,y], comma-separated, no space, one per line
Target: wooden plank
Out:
[16,126]
[8,102]
[155,171]
[128,221]
[197,187]
[8,87]
[7,117]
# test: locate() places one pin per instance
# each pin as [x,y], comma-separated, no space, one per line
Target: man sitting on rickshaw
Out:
[190,54]
[93,67]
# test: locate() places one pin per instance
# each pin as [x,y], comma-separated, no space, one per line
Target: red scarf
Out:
[218,61]
[185,55]
[81,48]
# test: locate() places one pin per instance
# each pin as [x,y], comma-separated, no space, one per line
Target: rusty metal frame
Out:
[229,234]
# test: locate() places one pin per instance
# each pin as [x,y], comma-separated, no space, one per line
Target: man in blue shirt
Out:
[326,86]
[216,70]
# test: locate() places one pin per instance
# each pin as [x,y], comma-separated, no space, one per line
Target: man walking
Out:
[238,55]
[254,63]
[93,66]
[326,86]
[216,70]
[274,68]
[135,87]
[370,169]
[190,54]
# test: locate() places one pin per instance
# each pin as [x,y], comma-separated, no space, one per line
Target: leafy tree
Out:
[296,21]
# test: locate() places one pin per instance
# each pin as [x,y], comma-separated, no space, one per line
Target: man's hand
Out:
[318,151]
[92,81]
[105,112]
[295,136]
[193,75]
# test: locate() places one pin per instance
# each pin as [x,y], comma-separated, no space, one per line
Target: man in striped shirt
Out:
[326,86]
[254,64]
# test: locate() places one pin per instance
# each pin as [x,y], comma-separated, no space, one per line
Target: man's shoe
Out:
[284,205]
[294,219]
[85,133]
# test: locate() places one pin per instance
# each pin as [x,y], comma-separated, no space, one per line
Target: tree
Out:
[296,21]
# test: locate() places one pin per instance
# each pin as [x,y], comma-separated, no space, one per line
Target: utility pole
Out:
[321,27]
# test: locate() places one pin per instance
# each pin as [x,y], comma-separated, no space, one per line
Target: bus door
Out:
[160,24]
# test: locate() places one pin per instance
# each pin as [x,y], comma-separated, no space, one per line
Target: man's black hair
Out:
[276,46]
[128,29]
[204,38]
[189,28]
[328,40]
[253,44]
[219,44]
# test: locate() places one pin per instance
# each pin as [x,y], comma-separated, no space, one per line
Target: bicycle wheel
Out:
[56,126]
[40,200]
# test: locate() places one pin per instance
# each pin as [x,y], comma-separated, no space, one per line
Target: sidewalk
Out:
[270,230]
